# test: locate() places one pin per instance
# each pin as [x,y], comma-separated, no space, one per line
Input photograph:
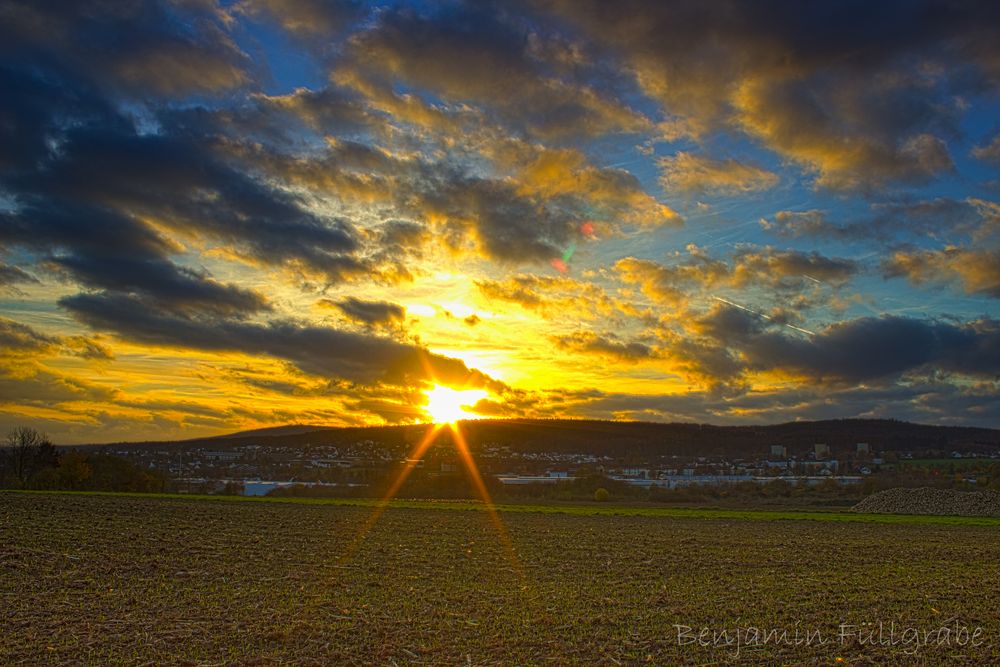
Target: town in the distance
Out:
[830,462]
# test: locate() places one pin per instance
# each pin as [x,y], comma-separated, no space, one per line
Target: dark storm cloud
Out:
[316,350]
[181,184]
[289,124]
[34,107]
[861,350]
[171,286]
[371,312]
[469,52]
[136,47]
[42,223]
[102,249]
[84,179]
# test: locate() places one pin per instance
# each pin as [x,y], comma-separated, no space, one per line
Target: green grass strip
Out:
[581,510]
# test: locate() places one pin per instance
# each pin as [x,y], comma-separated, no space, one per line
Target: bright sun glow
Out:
[446,405]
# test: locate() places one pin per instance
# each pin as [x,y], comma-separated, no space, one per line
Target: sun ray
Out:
[477,480]
[476,477]
[380,507]
[447,406]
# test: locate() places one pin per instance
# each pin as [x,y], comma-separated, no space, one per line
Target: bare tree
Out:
[28,451]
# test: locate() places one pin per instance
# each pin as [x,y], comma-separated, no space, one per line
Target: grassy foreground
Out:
[118,579]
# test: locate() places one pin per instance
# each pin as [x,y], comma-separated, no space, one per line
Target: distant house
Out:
[821,450]
[862,448]
[221,456]
[779,450]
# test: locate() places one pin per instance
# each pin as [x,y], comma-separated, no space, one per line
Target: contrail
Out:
[619,165]
[759,314]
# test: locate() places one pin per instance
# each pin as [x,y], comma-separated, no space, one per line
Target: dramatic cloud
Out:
[315,350]
[369,312]
[11,275]
[38,387]
[862,350]
[146,47]
[788,268]
[243,213]
[312,18]
[17,338]
[941,218]
[692,274]
[608,345]
[978,272]
[21,340]
[926,402]
[173,287]
[550,296]
[793,224]
[694,174]
[857,107]
[466,53]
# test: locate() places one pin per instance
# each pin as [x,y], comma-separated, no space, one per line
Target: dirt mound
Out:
[931,501]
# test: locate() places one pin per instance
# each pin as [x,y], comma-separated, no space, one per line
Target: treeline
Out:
[29,461]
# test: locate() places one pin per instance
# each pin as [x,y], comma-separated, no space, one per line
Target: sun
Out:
[446,405]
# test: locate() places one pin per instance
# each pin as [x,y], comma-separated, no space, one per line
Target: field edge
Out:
[583,510]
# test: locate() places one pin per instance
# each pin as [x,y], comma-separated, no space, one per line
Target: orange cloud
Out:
[690,174]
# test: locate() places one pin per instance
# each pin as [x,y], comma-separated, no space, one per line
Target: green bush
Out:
[602,495]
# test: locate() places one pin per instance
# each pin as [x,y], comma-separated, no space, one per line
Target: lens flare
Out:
[446,406]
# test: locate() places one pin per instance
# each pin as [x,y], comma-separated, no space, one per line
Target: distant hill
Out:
[623,439]
[289,429]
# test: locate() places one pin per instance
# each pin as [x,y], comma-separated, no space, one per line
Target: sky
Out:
[218,216]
